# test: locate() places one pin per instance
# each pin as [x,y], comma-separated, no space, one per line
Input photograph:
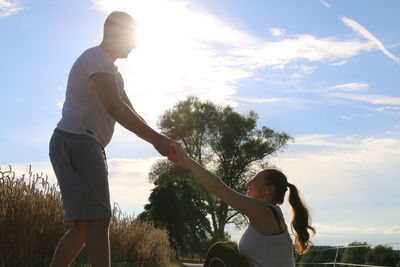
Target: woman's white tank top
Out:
[267,250]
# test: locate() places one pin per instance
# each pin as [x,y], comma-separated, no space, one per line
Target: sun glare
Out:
[175,55]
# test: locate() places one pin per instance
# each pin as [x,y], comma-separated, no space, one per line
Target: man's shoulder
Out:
[93,51]
[95,56]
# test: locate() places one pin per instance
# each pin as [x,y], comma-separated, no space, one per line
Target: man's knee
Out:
[99,223]
[79,224]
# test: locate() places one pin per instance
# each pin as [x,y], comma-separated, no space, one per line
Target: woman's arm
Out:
[244,204]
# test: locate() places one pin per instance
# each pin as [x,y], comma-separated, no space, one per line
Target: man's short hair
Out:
[120,18]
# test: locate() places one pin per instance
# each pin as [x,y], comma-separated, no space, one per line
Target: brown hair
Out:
[120,18]
[301,218]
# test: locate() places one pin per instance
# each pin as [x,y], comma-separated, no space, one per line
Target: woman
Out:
[266,242]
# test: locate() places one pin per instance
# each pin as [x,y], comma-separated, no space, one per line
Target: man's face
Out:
[126,40]
[123,38]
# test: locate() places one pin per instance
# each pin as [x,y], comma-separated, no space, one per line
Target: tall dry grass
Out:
[31,224]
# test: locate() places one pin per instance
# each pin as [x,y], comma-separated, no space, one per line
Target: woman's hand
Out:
[182,158]
[166,147]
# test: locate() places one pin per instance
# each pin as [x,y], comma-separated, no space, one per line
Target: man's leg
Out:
[98,242]
[70,245]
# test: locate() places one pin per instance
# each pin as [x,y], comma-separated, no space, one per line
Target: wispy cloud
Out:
[356,86]
[265,100]
[347,117]
[300,47]
[324,229]
[334,229]
[325,3]
[339,63]
[393,230]
[9,8]
[321,140]
[371,99]
[366,34]
[388,108]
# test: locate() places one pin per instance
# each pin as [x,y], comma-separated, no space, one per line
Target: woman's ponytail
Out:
[300,222]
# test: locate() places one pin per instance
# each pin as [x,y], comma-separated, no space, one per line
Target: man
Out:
[95,100]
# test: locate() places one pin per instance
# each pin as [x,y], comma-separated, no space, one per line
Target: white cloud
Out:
[9,8]
[334,229]
[393,230]
[303,68]
[129,183]
[299,47]
[205,56]
[339,63]
[277,31]
[296,76]
[266,100]
[325,3]
[366,34]
[345,168]
[356,86]
[347,117]
[389,108]
[60,105]
[393,45]
[322,140]
[371,99]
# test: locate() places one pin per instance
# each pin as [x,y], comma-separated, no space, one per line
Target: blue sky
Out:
[324,71]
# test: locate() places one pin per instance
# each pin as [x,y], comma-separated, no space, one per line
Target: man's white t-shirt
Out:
[83,112]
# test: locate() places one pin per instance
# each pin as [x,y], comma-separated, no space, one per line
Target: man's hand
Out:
[166,147]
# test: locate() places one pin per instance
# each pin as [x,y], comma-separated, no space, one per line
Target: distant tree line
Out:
[354,253]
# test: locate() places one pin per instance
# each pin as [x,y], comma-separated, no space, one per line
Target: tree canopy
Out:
[225,142]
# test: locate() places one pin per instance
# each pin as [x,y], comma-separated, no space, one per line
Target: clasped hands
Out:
[172,150]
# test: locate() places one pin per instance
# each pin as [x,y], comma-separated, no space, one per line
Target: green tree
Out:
[382,255]
[355,253]
[176,207]
[317,254]
[226,142]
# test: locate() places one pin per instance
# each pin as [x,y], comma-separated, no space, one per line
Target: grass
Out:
[31,224]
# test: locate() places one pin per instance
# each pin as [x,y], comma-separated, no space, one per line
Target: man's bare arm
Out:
[107,89]
[126,99]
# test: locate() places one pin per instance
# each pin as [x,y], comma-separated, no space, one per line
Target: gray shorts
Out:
[80,165]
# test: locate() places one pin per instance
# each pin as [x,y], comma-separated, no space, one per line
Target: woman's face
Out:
[257,187]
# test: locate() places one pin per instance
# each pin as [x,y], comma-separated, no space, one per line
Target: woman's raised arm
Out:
[242,203]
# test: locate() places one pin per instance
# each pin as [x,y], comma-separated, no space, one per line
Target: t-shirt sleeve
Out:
[97,61]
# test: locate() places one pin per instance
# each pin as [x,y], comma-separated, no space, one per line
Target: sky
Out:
[323,71]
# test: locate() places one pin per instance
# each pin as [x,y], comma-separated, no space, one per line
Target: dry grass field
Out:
[31,224]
